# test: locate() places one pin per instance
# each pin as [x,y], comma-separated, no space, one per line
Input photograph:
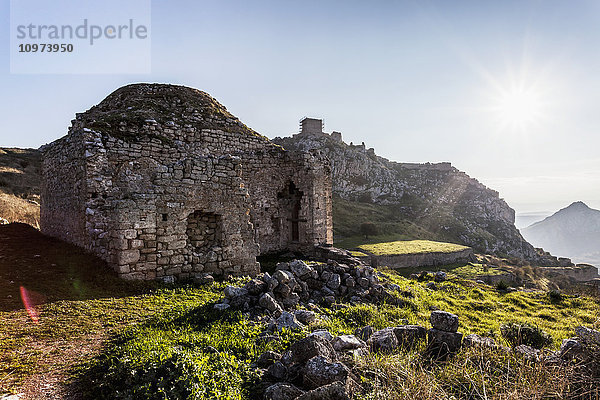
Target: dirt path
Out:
[58,358]
[50,271]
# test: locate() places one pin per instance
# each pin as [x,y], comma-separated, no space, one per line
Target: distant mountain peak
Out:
[578,205]
[572,232]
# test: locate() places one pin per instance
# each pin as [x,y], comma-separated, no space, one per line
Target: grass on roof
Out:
[411,247]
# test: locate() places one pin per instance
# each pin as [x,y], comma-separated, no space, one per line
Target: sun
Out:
[519,107]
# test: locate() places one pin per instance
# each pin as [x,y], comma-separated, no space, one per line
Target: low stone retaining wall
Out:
[580,272]
[422,259]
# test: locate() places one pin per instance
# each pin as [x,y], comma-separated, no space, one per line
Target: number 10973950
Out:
[45,48]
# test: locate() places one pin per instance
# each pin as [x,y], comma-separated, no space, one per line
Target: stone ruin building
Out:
[161,180]
[314,127]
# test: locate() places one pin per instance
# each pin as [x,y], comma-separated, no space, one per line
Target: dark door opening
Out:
[290,200]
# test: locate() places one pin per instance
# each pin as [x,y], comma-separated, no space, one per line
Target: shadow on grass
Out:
[52,270]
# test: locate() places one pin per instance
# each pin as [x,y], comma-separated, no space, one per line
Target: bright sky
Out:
[508,91]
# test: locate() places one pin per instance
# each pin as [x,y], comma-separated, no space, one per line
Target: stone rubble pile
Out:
[296,283]
[311,369]
[316,367]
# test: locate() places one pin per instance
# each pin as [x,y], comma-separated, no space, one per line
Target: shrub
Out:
[501,286]
[555,296]
[368,229]
[527,334]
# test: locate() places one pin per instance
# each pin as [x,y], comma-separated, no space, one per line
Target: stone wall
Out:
[422,259]
[579,272]
[64,189]
[168,183]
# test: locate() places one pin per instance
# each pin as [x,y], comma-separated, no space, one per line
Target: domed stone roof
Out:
[143,103]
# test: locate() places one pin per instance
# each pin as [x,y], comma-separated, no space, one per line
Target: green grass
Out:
[388,219]
[170,343]
[411,247]
[191,351]
[473,270]
[481,309]
[355,253]
[24,344]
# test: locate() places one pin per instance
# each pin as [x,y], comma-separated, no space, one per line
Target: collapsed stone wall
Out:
[154,161]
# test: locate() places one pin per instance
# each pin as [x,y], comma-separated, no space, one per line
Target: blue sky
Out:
[417,80]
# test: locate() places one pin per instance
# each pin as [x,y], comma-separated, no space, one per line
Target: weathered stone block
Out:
[444,321]
[127,257]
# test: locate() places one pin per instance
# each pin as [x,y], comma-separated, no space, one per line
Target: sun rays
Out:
[519,107]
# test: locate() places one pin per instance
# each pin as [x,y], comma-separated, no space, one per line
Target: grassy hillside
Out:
[171,341]
[103,338]
[389,222]
[20,185]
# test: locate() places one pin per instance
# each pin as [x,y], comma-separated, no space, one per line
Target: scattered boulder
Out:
[440,276]
[255,286]
[277,371]
[334,281]
[311,346]
[203,279]
[234,291]
[572,349]
[364,333]
[444,321]
[442,343]
[305,317]
[334,391]
[300,269]
[319,372]
[384,340]
[267,358]
[322,333]
[267,301]
[288,321]
[583,348]
[221,306]
[527,352]
[474,340]
[282,391]
[409,335]
[347,342]
[588,335]
[283,277]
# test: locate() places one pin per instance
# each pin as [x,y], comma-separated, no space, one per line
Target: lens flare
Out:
[29,304]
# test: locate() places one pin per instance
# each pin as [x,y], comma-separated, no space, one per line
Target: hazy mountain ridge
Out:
[573,232]
[443,202]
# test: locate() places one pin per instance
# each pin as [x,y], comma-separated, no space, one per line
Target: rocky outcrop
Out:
[438,198]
